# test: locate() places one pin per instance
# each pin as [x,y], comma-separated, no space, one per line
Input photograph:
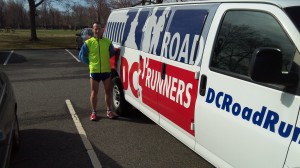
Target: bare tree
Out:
[32,13]
[97,5]
[148,2]
[33,4]
[80,16]
[122,3]
[16,12]
[2,13]
[44,15]
[101,10]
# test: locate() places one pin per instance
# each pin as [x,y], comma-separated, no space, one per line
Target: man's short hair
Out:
[97,23]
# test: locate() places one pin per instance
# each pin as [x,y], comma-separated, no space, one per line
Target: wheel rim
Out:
[116,96]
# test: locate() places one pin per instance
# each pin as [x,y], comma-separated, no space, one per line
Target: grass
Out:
[49,39]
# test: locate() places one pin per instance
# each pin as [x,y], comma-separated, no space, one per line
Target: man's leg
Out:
[108,95]
[107,88]
[94,94]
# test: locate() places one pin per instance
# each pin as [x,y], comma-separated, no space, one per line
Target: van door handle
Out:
[203,83]
[163,71]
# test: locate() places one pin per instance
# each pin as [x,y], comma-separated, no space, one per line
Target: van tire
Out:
[119,104]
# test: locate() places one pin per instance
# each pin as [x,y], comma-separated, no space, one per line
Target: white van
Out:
[221,76]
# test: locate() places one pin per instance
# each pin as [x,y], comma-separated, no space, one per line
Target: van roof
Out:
[279,3]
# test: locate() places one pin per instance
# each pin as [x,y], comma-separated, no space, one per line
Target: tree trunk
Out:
[99,12]
[32,10]
[32,20]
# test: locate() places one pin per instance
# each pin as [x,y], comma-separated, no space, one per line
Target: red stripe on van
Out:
[173,97]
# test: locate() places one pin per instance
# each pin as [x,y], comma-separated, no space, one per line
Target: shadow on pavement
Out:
[49,148]
[13,60]
[134,115]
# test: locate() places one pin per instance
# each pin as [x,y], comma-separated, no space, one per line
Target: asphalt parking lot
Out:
[45,81]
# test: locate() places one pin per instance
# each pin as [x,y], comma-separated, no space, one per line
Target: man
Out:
[96,52]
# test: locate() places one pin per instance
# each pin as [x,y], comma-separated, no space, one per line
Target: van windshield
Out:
[293,13]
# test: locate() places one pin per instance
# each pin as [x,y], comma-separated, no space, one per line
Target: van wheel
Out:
[119,104]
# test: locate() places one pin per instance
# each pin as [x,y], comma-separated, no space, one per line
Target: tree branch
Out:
[39,3]
[142,2]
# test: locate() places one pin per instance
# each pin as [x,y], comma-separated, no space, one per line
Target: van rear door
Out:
[240,121]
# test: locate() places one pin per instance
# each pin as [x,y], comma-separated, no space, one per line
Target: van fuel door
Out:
[203,83]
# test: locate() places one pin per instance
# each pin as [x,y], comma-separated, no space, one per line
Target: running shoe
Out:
[111,115]
[93,116]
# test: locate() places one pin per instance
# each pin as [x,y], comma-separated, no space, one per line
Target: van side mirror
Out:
[265,66]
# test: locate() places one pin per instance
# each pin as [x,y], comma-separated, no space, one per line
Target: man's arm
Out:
[83,54]
[111,50]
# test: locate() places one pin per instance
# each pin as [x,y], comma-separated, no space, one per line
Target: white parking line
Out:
[95,161]
[73,55]
[6,61]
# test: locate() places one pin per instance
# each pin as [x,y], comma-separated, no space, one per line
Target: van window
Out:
[182,35]
[241,33]
[113,31]
[134,28]
[154,30]
[125,27]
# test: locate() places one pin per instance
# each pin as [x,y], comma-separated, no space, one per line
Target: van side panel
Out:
[234,121]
